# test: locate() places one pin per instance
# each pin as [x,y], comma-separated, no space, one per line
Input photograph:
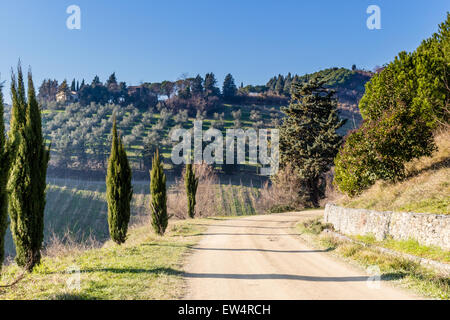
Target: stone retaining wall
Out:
[427,229]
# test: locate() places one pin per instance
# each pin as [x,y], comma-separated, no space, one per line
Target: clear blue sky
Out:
[252,39]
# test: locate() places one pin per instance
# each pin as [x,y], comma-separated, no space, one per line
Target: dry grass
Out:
[213,198]
[68,244]
[427,188]
[207,201]
[283,194]
[147,266]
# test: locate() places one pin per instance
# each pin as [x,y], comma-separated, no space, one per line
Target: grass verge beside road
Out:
[147,266]
[400,271]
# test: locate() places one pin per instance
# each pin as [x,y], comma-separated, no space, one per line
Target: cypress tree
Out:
[158,202]
[229,89]
[287,84]
[197,86]
[308,137]
[279,86]
[210,85]
[191,183]
[119,190]
[4,167]
[27,177]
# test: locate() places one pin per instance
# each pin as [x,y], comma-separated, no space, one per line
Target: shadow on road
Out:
[238,226]
[262,250]
[249,234]
[273,276]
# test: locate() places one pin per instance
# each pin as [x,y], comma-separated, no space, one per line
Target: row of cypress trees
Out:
[23,167]
[24,159]
[119,191]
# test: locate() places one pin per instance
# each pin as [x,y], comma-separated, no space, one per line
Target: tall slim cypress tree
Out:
[158,203]
[229,89]
[119,190]
[308,136]
[191,183]
[27,176]
[4,167]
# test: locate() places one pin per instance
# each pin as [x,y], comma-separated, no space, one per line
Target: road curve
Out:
[260,257]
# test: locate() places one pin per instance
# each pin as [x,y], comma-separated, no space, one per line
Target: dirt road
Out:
[260,257]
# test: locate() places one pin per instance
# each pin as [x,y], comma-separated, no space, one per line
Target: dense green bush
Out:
[401,108]
[353,161]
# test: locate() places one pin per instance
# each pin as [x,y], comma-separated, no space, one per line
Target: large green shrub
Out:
[351,173]
[401,108]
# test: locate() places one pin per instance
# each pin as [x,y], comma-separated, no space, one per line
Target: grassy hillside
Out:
[145,267]
[426,190]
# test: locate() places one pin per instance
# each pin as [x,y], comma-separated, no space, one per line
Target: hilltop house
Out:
[67,96]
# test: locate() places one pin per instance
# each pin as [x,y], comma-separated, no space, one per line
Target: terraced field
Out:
[80,135]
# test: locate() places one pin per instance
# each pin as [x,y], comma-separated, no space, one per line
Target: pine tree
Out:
[197,86]
[271,84]
[119,190]
[96,81]
[287,85]
[229,89]
[27,177]
[64,87]
[308,137]
[279,86]
[191,183]
[4,167]
[112,80]
[158,204]
[73,86]
[210,85]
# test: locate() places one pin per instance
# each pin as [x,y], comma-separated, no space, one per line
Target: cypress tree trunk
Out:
[191,183]
[27,177]
[158,203]
[4,167]
[119,190]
